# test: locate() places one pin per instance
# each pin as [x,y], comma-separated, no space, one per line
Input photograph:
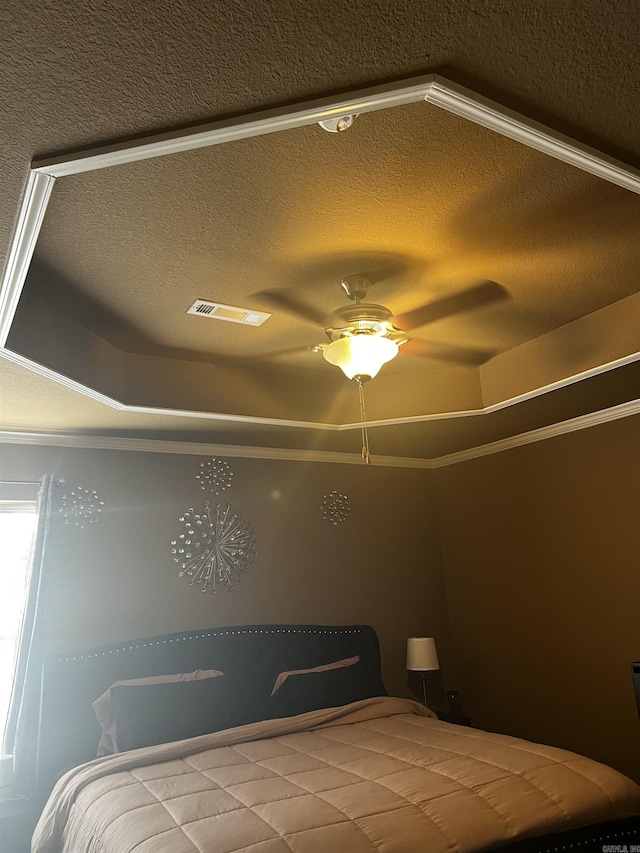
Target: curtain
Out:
[21,733]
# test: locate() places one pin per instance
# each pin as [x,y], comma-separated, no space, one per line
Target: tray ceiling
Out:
[427,200]
[424,201]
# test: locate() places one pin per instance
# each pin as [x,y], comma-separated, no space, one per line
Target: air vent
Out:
[231,313]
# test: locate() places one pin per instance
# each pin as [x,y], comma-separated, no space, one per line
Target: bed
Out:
[279,773]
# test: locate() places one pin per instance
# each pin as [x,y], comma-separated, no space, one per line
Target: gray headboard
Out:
[635,674]
[68,730]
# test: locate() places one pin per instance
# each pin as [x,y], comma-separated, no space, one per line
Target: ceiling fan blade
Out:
[465,300]
[446,352]
[267,356]
[285,301]
[222,361]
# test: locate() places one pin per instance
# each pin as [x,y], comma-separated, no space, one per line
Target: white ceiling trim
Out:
[431,88]
[624,410]
[505,404]
[148,445]
[223,417]
[34,205]
[472,106]
[72,384]
[232,129]
[61,379]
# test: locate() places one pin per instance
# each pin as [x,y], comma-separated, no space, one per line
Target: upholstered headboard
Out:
[69,731]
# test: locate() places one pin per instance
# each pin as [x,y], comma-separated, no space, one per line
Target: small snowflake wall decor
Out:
[216,547]
[79,506]
[335,507]
[214,475]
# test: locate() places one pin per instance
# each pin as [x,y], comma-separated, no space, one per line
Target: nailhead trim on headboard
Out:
[127,648]
[623,836]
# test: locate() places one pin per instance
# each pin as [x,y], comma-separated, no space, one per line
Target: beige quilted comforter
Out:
[378,775]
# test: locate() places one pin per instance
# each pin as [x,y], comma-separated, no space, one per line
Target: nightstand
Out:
[17,822]
[452,717]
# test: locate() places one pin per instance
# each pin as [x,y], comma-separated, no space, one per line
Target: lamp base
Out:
[428,703]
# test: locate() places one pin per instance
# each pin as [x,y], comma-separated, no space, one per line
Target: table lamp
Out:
[422,657]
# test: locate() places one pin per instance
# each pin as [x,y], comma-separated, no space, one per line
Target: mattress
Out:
[379,775]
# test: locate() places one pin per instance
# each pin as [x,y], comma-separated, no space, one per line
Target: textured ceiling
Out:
[423,198]
[75,76]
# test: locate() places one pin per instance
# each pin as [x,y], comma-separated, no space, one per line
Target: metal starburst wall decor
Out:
[216,547]
[335,507]
[79,506]
[214,475]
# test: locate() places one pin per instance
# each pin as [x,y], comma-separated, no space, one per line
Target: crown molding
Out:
[244,126]
[32,210]
[112,403]
[504,404]
[430,88]
[225,417]
[60,378]
[148,445]
[474,107]
[624,410]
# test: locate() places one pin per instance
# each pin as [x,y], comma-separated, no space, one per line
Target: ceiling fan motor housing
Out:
[365,318]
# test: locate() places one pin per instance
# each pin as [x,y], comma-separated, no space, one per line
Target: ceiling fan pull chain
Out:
[363,419]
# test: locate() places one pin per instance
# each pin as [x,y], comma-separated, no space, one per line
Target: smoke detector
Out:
[338,124]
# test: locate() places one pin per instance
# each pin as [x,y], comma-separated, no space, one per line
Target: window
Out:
[17,529]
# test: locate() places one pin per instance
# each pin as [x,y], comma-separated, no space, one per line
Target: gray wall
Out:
[541,548]
[115,580]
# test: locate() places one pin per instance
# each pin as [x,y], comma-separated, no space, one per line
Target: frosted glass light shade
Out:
[421,654]
[360,355]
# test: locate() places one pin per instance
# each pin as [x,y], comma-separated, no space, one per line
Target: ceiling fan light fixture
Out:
[360,356]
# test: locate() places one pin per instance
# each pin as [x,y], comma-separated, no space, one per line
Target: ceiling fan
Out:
[363,336]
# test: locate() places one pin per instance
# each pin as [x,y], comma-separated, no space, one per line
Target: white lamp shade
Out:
[421,654]
[360,355]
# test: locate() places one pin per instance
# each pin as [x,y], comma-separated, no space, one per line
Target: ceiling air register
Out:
[230,313]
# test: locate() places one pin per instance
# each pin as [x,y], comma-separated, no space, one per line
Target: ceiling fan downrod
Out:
[356,287]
